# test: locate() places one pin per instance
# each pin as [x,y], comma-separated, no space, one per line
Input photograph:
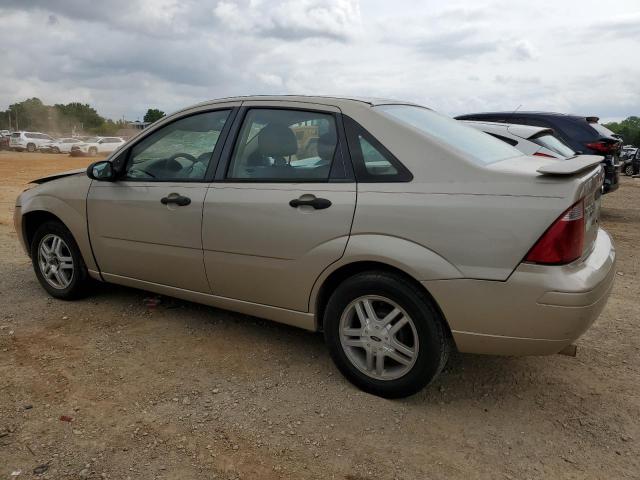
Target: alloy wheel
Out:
[378,337]
[55,261]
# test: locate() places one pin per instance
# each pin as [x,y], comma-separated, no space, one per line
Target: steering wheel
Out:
[172,164]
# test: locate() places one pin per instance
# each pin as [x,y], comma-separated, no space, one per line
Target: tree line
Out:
[628,128]
[33,115]
[78,117]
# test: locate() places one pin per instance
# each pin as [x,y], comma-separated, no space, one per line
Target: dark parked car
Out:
[635,163]
[582,134]
[627,159]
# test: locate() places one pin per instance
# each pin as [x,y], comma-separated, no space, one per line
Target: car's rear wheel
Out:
[93,151]
[385,335]
[628,170]
[55,150]
[57,261]
[31,147]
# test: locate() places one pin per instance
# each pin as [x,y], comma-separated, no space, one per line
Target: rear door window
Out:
[277,145]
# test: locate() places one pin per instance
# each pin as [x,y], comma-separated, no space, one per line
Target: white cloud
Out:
[124,56]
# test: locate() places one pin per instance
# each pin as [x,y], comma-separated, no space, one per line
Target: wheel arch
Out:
[49,202]
[341,273]
[32,220]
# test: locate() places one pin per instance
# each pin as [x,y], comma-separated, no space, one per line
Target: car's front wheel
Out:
[57,261]
[385,335]
[93,151]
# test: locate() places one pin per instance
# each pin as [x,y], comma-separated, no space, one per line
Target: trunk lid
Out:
[571,180]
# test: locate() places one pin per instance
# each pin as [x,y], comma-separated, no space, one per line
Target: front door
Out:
[282,209]
[147,225]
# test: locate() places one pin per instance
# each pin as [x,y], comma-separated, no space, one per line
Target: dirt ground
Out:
[183,391]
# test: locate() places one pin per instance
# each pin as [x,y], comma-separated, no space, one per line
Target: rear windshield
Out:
[15,135]
[480,147]
[554,144]
[601,129]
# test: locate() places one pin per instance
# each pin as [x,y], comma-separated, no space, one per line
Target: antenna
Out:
[517,108]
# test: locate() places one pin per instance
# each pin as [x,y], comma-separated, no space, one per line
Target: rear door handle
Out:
[317,203]
[176,199]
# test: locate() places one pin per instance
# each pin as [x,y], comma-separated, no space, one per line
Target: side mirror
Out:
[102,171]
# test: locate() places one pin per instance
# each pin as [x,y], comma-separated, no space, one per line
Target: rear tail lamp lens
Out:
[563,241]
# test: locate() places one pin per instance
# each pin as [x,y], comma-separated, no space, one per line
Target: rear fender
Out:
[411,258]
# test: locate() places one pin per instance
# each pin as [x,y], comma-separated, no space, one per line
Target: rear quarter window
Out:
[575,129]
[476,145]
[601,129]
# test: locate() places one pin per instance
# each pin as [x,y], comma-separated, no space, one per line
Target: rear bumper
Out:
[537,311]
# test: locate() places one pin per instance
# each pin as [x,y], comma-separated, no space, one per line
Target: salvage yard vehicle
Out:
[28,141]
[583,134]
[406,235]
[60,145]
[95,145]
[538,141]
[627,158]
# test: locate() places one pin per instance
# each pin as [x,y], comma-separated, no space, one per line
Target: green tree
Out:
[153,114]
[628,128]
[31,114]
[80,116]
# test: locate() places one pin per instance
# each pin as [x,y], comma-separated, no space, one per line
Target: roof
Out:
[334,101]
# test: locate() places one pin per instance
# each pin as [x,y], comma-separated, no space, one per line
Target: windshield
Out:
[554,144]
[480,147]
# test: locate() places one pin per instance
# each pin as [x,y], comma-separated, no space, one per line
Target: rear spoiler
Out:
[570,166]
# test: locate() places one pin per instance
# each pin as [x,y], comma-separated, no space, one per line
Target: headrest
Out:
[277,140]
[327,145]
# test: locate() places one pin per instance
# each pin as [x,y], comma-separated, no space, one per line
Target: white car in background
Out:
[538,141]
[95,145]
[29,141]
[61,145]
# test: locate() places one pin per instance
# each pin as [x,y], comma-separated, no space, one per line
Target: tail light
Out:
[540,154]
[563,241]
[603,147]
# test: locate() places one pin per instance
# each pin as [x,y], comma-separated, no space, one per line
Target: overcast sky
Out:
[124,56]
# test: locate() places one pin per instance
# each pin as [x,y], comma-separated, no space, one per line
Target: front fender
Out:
[66,198]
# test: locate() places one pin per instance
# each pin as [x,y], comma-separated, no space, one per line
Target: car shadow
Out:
[465,377]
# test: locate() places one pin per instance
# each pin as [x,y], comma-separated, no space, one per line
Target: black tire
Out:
[79,284]
[31,147]
[55,150]
[434,339]
[628,170]
[93,151]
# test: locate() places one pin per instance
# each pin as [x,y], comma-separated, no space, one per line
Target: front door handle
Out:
[175,199]
[317,203]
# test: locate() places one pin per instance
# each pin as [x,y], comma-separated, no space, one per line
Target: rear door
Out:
[281,209]
[147,226]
